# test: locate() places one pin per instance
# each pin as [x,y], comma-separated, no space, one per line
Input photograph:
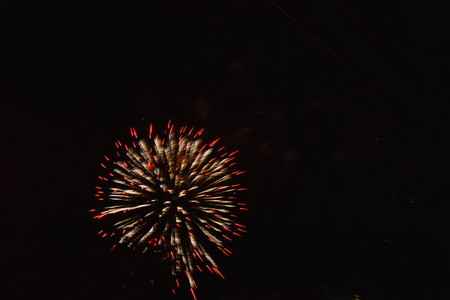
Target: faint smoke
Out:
[203,108]
[238,67]
[290,157]
[244,133]
[264,148]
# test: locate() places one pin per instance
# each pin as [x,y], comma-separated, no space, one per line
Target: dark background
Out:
[347,177]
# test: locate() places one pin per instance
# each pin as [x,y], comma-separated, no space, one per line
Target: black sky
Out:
[347,179]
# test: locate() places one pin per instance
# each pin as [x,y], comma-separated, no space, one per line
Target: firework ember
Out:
[173,195]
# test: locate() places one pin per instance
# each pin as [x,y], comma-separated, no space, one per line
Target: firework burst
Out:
[173,195]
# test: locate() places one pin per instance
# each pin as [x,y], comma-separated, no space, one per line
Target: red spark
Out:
[226,237]
[227,250]
[223,251]
[193,294]
[214,142]
[217,271]
[233,152]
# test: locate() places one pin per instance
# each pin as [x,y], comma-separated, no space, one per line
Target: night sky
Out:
[344,143]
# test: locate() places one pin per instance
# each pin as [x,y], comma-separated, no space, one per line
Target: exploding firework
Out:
[175,196]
